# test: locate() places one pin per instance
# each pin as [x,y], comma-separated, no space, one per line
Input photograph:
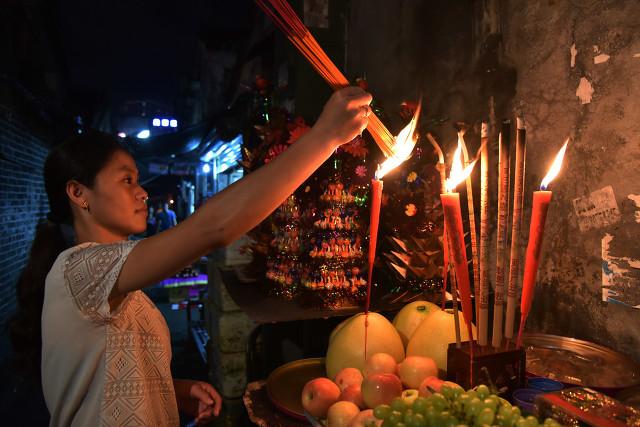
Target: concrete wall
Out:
[457,54]
[605,151]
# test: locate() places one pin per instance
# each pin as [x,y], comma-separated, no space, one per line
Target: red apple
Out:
[318,395]
[430,385]
[341,413]
[353,394]
[380,388]
[380,363]
[347,377]
[365,419]
[414,369]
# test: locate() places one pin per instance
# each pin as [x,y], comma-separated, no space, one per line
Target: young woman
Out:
[105,349]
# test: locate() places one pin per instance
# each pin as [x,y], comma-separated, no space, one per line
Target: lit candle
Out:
[453,220]
[483,317]
[541,200]
[402,148]
[472,227]
[441,167]
[514,264]
[503,216]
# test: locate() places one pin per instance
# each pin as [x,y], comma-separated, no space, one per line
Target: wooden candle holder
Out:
[505,366]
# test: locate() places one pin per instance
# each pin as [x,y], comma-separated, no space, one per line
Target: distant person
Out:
[165,218]
[152,224]
[100,345]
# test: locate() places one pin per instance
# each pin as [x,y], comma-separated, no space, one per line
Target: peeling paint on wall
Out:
[635,198]
[620,276]
[584,91]
[574,53]
[637,55]
[597,210]
[603,57]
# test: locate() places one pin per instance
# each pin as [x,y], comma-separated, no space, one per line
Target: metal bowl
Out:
[285,384]
[577,362]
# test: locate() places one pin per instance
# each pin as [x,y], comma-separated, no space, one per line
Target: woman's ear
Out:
[77,193]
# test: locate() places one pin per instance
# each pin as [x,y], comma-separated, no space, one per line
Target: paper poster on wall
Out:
[599,209]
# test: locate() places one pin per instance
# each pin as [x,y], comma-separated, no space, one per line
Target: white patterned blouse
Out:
[102,367]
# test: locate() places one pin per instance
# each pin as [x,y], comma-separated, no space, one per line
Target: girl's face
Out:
[117,201]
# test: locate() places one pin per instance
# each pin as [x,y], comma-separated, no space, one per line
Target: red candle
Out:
[455,234]
[376,198]
[541,200]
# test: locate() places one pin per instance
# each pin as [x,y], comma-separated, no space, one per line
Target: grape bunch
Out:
[454,407]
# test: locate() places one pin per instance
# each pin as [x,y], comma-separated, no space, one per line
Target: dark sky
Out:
[139,48]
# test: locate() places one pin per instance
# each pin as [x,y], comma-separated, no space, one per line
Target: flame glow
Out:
[555,167]
[404,143]
[457,173]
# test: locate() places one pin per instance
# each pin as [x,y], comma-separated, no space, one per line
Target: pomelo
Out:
[410,316]
[346,344]
[433,336]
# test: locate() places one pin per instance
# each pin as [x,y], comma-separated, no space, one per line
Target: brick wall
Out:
[23,202]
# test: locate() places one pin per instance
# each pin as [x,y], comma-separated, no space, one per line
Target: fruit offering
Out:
[452,406]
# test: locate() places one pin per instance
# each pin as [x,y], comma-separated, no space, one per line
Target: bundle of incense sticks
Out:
[290,24]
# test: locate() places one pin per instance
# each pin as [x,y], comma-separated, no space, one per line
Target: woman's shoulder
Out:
[100,251]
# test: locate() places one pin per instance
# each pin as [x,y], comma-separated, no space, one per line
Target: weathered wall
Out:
[439,49]
[604,151]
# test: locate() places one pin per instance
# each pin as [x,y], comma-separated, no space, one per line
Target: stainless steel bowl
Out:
[577,362]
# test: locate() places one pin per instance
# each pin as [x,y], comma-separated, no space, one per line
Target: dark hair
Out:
[79,158]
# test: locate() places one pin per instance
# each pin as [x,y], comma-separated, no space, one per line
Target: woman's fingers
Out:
[213,394]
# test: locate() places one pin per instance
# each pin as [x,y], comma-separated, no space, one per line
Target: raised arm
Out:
[243,205]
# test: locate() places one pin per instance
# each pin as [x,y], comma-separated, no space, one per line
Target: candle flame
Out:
[402,148]
[457,173]
[555,167]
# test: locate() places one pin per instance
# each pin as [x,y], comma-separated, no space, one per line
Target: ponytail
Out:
[80,158]
[25,327]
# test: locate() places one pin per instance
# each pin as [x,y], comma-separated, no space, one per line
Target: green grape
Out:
[550,422]
[531,421]
[472,393]
[430,414]
[408,416]
[387,423]
[418,420]
[502,421]
[395,417]
[382,412]
[520,422]
[506,415]
[474,407]
[486,416]
[401,425]
[438,401]
[491,404]
[419,405]
[483,391]
[448,420]
[515,414]
[397,404]
[446,391]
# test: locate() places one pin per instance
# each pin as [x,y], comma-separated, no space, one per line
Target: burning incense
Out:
[503,216]
[472,227]
[541,200]
[483,314]
[441,167]
[455,232]
[514,264]
[286,19]
[404,143]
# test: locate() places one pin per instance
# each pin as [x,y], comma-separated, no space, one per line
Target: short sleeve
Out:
[90,274]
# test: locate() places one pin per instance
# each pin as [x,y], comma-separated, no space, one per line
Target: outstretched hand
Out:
[198,399]
[345,115]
